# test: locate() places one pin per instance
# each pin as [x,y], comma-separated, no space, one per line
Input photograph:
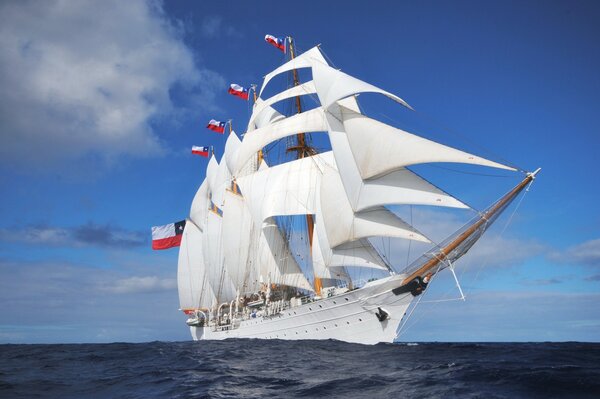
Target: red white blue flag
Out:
[167,236]
[203,151]
[238,90]
[216,126]
[276,41]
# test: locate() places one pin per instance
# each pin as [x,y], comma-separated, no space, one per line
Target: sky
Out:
[100,103]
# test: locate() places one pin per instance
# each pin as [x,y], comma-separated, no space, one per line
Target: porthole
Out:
[306,331]
[320,306]
[324,328]
[336,325]
[359,319]
[347,322]
[334,302]
[346,298]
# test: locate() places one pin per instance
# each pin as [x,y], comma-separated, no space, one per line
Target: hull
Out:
[351,317]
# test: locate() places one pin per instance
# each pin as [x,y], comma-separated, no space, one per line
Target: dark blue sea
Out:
[304,369]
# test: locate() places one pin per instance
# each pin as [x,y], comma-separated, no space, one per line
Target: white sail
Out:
[221,182]
[399,187]
[192,282]
[343,225]
[333,85]
[321,268]
[218,277]
[286,189]
[200,206]
[309,121]
[305,60]
[236,241]
[267,116]
[278,265]
[389,148]
[231,147]
[261,105]
[211,173]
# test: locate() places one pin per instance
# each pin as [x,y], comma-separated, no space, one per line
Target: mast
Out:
[428,268]
[259,154]
[304,150]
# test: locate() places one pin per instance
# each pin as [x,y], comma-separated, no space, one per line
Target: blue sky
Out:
[101,101]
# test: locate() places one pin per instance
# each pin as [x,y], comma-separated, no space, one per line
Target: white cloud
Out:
[84,79]
[212,26]
[138,284]
[587,253]
[493,249]
[90,234]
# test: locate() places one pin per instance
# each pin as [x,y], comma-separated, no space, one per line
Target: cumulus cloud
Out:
[85,79]
[90,234]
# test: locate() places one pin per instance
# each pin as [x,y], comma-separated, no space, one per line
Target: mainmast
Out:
[303,150]
[425,272]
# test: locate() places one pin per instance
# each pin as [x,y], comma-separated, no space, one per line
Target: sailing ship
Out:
[278,249]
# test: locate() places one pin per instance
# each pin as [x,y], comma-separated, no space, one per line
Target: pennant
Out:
[203,151]
[216,126]
[167,236]
[238,91]
[276,41]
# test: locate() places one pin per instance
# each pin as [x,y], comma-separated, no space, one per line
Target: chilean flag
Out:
[275,41]
[216,126]
[238,90]
[167,236]
[203,151]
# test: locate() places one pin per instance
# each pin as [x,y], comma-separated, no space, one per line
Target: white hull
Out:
[349,317]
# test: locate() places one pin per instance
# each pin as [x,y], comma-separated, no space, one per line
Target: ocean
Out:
[245,368]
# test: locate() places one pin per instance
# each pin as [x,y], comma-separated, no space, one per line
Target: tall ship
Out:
[280,241]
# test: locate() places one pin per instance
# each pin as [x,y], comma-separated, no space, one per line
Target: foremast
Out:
[303,149]
[419,278]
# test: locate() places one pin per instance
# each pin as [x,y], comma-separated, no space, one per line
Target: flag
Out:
[167,236]
[238,90]
[200,150]
[216,126]
[275,41]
